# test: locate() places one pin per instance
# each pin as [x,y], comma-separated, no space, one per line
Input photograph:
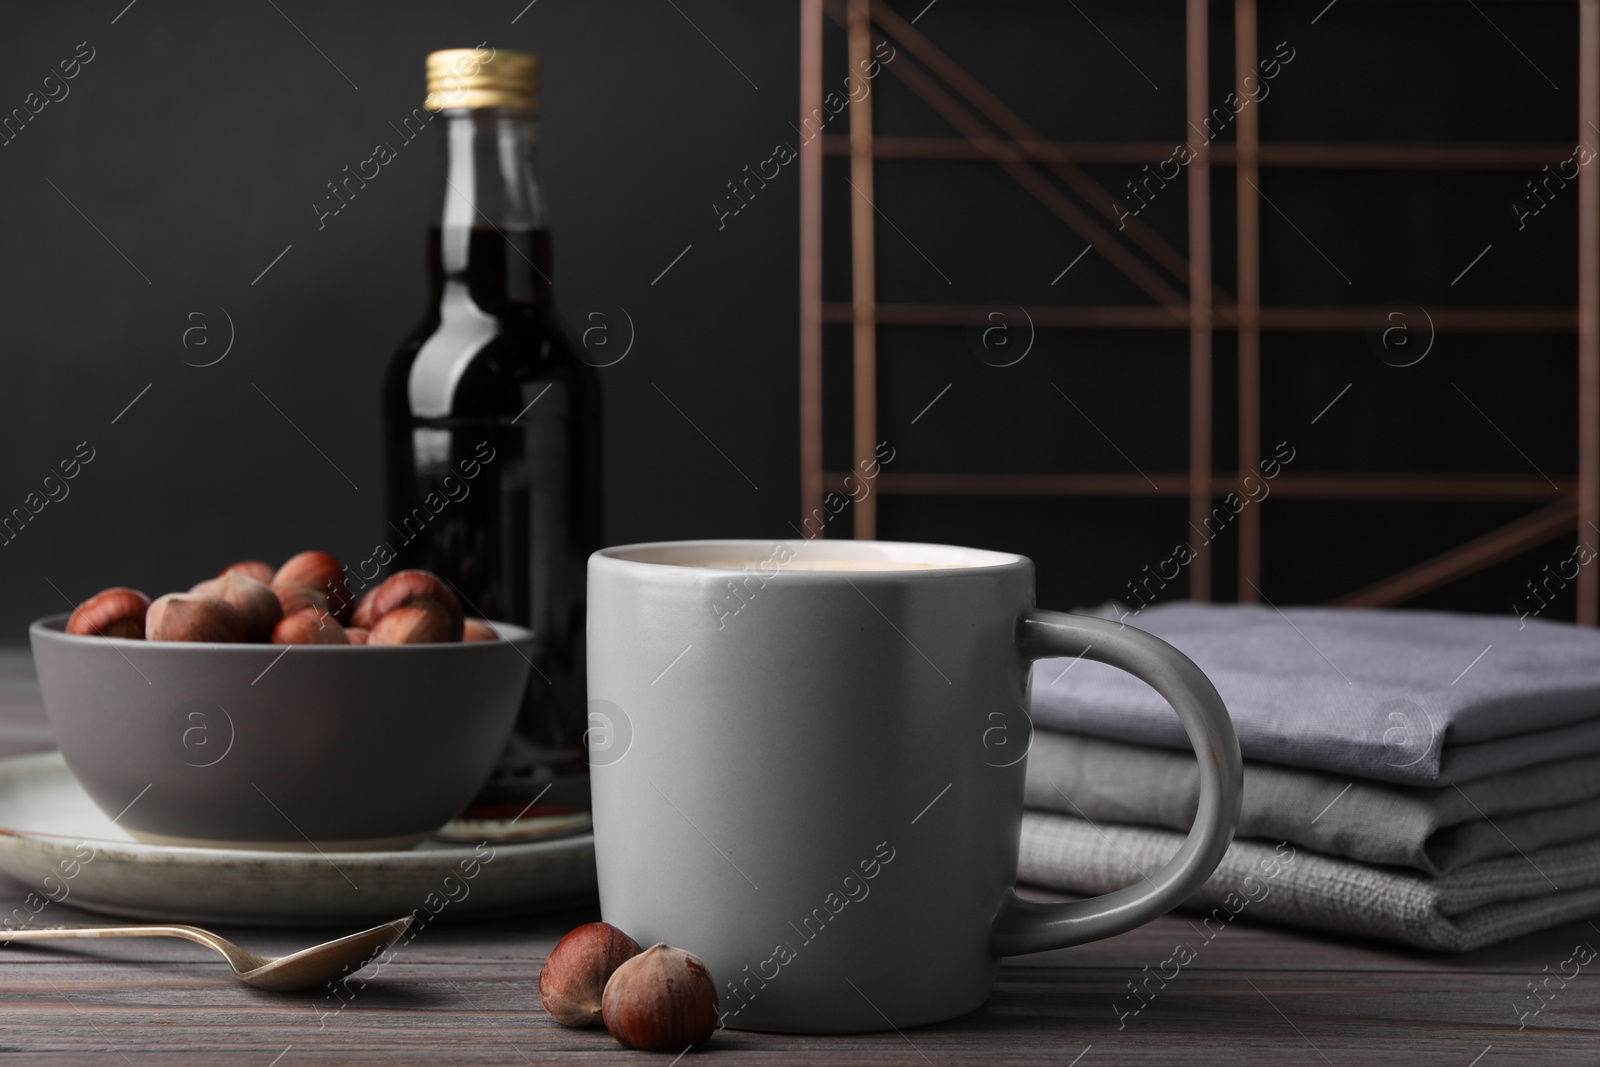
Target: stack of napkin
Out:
[1421,777]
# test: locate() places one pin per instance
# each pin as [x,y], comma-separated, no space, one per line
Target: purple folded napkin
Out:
[1425,698]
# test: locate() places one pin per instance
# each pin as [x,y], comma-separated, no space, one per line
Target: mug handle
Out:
[1031,926]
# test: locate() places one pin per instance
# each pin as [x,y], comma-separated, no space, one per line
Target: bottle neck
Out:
[489,239]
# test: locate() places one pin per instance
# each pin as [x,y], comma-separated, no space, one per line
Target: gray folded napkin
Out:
[1473,906]
[1436,830]
[1425,698]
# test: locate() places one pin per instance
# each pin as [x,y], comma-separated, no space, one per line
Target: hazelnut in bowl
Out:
[185,722]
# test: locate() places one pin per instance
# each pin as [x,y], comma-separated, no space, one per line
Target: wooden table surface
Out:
[467,993]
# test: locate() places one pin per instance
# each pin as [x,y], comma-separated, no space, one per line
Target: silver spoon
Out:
[306,969]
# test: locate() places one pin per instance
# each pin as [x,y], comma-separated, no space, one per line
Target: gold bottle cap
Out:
[482,77]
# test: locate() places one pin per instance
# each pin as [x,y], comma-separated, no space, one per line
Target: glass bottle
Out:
[492,421]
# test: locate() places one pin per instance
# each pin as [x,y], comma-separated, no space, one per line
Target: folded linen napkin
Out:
[1424,698]
[1473,906]
[1436,830]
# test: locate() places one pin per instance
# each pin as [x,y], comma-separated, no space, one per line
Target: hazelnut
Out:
[320,572]
[576,974]
[193,617]
[250,568]
[363,615]
[478,630]
[357,634]
[115,612]
[256,603]
[404,587]
[293,598]
[309,627]
[422,622]
[662,1000]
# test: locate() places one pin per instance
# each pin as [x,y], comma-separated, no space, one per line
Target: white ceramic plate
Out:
[62,848]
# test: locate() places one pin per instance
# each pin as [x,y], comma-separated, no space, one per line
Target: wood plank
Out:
[468,994]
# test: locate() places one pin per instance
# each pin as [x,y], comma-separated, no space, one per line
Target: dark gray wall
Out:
[198,139]
[199,136]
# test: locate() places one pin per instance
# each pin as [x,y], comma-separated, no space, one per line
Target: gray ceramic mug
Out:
[808,771]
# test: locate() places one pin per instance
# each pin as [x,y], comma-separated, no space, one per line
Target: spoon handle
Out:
[234,954]
[58,933]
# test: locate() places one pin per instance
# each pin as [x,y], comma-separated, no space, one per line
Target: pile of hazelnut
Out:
[304,602]
[661,999]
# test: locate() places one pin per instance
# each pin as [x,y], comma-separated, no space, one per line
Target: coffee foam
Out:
[799,564]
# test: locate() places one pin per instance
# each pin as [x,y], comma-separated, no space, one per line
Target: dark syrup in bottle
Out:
[493,465]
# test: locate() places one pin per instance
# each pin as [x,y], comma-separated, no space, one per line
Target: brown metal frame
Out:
[1022,152]
[864,299]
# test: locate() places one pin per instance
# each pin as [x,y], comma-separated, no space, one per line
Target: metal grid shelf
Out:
[1204,308]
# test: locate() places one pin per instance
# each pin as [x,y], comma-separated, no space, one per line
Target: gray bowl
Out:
[280,747]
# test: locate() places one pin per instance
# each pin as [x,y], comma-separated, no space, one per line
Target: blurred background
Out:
[172,184]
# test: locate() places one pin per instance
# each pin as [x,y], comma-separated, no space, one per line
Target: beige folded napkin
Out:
[1473,906]
[1436,830]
